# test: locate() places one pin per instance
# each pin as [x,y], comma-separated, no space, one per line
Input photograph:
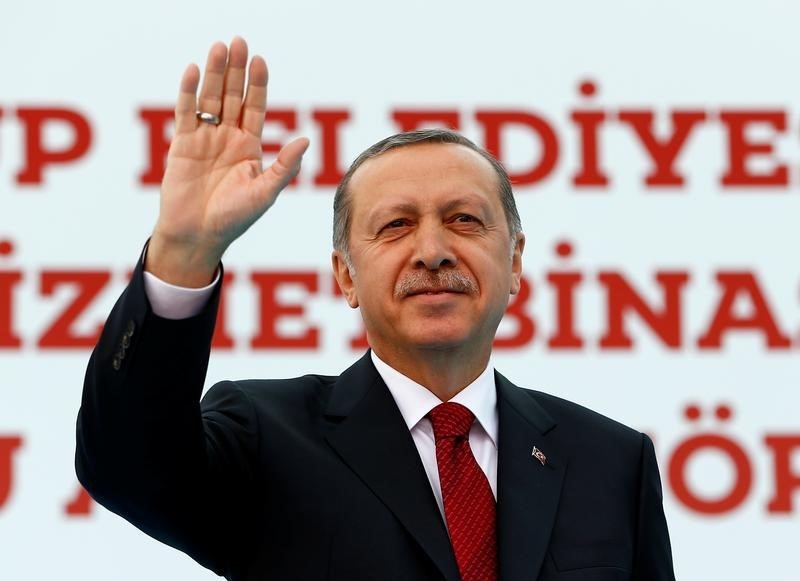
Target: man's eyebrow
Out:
[401,207]
[381,212]
[413,209]
[466,201]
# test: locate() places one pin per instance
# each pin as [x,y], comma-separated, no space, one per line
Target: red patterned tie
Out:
[469,504]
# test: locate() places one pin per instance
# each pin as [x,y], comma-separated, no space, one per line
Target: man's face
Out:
[431,251]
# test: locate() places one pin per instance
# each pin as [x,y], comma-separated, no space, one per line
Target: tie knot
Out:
[451,420]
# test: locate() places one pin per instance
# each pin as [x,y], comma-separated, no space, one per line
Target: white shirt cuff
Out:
[176,302]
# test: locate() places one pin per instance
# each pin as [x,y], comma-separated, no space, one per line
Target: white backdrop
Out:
[716,385]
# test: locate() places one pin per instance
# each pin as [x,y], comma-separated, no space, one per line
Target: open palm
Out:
[214,186]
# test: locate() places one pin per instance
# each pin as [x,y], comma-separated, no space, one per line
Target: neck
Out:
[443,372]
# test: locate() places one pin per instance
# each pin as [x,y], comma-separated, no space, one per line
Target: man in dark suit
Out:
[419,461]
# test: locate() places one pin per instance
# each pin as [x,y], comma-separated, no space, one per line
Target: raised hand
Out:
[214,186]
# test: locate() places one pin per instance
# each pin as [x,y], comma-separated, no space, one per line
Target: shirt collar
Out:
[415,400]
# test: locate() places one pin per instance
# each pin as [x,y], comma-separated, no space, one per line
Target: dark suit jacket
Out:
[318,478]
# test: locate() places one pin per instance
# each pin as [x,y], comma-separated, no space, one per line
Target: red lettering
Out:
[411,120]
[287,119]
[621,298]
[589,121]
[494,122]
[80,505]
[663,152]
[741,150]
[359,341]
[8,445]
[525,328]
[89,284]
[786,481]
[565,336]
[330,123]
[741,464]
[744,285]
[37,154]
[272,311]
[564,283]
[159,124]
[8,280]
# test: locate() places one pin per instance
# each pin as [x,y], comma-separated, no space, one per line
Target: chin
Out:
[439,339]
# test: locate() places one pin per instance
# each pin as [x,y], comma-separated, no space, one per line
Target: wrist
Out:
[181,263]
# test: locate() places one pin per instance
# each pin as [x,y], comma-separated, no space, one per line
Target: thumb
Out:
[285,167]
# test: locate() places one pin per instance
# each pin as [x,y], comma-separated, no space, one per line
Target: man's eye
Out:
[396,224]
[466,218]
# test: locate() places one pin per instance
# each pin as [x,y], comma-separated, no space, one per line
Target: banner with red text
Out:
[654,150]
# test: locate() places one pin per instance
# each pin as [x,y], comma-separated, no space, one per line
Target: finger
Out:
[255,102]
[213,78]
[234,82]
[284,168]
[186,106]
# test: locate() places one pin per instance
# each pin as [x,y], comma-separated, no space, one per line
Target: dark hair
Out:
[342,213]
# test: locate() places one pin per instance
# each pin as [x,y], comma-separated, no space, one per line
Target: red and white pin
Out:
[539,455]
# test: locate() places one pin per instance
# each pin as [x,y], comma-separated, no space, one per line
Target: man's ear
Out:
[345,278]
[516,263]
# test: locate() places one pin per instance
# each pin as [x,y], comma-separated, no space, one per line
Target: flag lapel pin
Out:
[539,455]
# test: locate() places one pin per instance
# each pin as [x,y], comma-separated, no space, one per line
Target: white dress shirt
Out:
[413,400]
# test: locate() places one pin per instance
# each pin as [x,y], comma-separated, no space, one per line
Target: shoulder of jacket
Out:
[573,416]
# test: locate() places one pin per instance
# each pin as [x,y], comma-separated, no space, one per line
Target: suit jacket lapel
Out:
[370,435]
[527,490]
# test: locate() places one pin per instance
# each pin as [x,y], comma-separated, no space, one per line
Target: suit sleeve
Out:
[146,451]
[653,550]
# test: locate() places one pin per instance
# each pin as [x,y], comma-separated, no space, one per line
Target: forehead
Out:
[422,172]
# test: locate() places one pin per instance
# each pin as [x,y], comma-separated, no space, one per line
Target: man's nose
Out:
[433,249]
